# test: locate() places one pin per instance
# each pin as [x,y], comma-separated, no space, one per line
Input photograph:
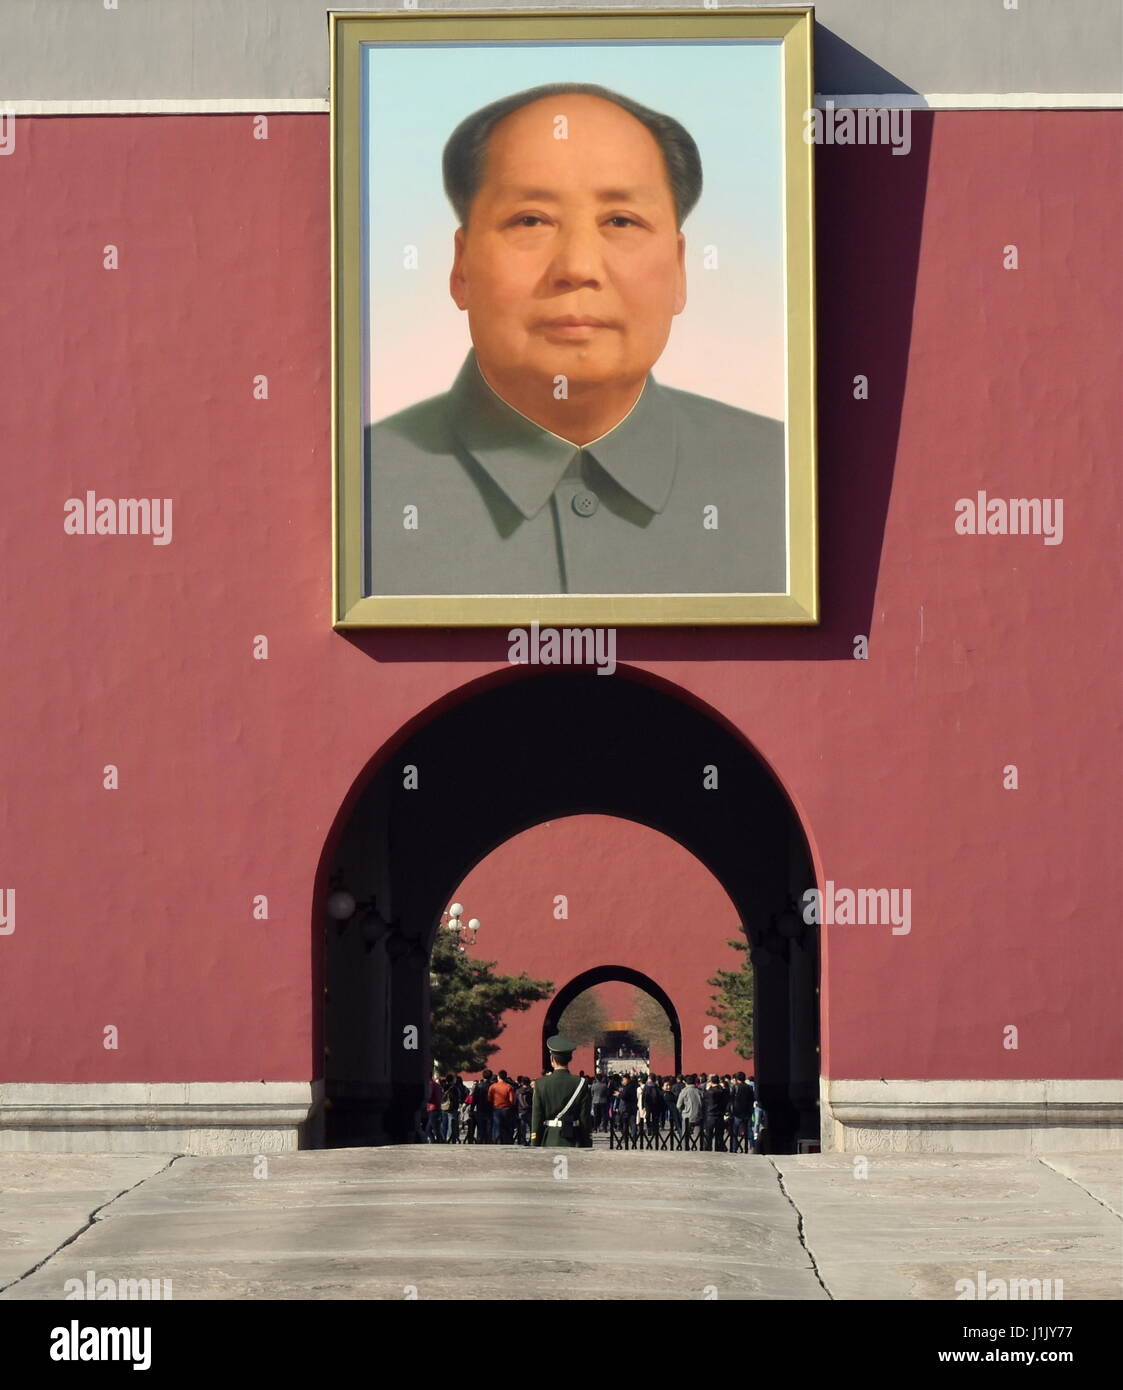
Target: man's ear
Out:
[457,285]
[680,291]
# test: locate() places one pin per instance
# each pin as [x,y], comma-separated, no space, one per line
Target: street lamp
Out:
[453,920]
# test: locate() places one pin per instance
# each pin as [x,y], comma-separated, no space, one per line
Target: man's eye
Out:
[529,219]
[622,221]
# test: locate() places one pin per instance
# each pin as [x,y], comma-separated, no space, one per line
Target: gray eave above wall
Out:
[77,56]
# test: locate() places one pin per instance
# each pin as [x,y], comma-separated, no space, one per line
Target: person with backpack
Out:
[453,1092]
[524,1104]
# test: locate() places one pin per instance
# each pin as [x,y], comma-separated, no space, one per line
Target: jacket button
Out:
[585,503]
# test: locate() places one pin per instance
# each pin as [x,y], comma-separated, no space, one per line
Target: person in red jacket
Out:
[502,1096]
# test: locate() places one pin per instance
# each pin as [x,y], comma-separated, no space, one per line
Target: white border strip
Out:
[157,1104]
[1042,1091]
[167,106]
[975,101]
[219,106]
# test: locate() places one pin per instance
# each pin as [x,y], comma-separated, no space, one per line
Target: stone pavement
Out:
[506,1223]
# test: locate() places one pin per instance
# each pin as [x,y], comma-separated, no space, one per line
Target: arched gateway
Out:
[512,754]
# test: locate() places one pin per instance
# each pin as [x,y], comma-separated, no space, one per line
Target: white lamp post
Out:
[453,920]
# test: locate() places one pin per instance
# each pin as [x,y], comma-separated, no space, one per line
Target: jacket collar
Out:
[527,462]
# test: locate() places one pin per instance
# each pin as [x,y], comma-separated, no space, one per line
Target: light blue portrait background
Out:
[729,341]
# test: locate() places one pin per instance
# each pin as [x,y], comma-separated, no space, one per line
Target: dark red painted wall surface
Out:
[134,907]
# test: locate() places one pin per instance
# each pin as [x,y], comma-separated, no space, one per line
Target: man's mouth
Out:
[573,325]
[575,321]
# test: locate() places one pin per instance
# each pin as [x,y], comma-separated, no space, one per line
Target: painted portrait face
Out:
[571,263]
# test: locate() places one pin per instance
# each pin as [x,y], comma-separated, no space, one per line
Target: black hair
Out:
[466,150]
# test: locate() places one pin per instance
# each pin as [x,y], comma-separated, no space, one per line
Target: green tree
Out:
[650,1023]
[583,1021]
[468,1004]
[733,1003]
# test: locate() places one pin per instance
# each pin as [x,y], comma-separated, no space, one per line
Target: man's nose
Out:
[577,259]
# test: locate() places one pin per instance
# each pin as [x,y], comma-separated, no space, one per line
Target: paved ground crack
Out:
[1080,1185]
[93,1216]
[802,1240]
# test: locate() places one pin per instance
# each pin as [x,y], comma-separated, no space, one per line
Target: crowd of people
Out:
[719,1111]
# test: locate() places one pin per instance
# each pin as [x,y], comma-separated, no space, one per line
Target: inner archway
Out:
[511,753]
[561,900]
[589,979]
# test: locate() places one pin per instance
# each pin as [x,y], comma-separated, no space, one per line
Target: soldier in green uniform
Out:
[557,1093]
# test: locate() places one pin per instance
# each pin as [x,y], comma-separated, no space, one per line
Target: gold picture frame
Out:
[354,608]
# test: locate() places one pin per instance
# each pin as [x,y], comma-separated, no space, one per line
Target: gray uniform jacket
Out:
[465,495]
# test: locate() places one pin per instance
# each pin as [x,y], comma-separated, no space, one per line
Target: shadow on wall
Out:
[842,68]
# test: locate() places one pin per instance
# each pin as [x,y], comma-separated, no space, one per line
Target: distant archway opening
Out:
[589,979]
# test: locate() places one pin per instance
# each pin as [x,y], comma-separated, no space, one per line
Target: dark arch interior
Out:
[599,976]
[533,748]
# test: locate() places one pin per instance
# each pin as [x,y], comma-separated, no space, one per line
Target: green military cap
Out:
[560,1043]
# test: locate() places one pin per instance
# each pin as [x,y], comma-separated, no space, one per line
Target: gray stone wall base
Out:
[1026,1117]
[858,1116]
[196,1117]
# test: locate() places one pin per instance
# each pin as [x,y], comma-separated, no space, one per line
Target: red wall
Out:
[134,907]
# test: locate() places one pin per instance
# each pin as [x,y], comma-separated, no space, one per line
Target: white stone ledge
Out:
[1037,1116]
[319,105]
[158,1117]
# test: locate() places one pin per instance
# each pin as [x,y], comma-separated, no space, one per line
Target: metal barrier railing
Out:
[690,1138]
